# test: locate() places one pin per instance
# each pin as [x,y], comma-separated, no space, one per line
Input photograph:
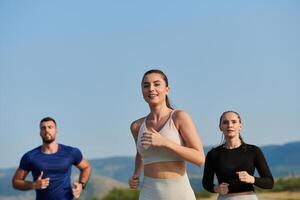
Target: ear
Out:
[167,90]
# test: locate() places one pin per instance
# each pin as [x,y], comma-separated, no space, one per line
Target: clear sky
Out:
[81,62]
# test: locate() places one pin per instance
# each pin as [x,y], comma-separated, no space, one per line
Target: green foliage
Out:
[203,194]
[283,184]
[124,194]
[127,194]
[291,184]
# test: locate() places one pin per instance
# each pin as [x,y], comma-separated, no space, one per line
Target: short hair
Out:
[46,119]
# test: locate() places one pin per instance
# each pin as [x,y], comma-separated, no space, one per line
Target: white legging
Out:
[167,189]
[245,196]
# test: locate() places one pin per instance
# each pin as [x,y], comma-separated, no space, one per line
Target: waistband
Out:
[183,177]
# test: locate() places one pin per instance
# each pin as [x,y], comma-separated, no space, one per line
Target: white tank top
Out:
[160,154]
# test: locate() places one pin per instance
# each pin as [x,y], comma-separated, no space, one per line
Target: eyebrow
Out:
[227,120]
[147,82]
[49,125]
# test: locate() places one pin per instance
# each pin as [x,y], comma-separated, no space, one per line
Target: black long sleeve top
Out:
[224,163]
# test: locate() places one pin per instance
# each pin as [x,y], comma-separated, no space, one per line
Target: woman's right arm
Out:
[134,180]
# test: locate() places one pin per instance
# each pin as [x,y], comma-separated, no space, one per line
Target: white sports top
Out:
[159,154]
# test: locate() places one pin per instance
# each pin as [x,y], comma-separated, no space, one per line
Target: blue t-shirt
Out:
[55,166]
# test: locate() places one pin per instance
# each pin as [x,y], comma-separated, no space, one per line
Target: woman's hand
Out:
[222,189]
[245,177]
[134,182]
[153,138]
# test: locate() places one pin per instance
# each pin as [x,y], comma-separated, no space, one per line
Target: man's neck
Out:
[50,148]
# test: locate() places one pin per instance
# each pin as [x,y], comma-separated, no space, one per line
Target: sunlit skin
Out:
[230,127]
[155,90]
[48,132]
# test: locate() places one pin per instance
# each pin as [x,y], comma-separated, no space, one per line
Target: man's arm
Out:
[85,173]
[19,182]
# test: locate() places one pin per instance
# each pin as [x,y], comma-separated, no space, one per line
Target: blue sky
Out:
[81,62]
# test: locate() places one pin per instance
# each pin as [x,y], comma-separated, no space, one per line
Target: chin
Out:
[153,103]
[48,141]
[230,136]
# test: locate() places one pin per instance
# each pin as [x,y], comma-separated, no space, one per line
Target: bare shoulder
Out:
[179,115]
[135,126]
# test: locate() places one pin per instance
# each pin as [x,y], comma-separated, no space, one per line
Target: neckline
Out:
[49,154]
[234,144]
[235,148]
[164,125]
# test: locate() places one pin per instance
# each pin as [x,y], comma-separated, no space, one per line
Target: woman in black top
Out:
[234,163]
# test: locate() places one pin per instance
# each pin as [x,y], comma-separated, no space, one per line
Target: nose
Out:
[151,87]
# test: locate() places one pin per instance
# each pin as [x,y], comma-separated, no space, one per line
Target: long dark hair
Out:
[165,78]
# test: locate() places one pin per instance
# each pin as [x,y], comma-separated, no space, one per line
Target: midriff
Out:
[165,170]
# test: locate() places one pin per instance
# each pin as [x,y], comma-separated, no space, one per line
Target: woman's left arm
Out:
[193,149]
[265,180]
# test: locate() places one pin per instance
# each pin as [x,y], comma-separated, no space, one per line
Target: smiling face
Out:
[154,89]
[230,125]
[48,131]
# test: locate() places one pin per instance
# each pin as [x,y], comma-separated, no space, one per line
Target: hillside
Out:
[118,168]
[284,160]
[100,186]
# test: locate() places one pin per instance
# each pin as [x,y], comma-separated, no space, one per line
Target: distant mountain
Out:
[287,154]
[284,160]
[100,186]
[118,168]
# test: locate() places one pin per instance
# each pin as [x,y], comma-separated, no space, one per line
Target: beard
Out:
[48,140]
